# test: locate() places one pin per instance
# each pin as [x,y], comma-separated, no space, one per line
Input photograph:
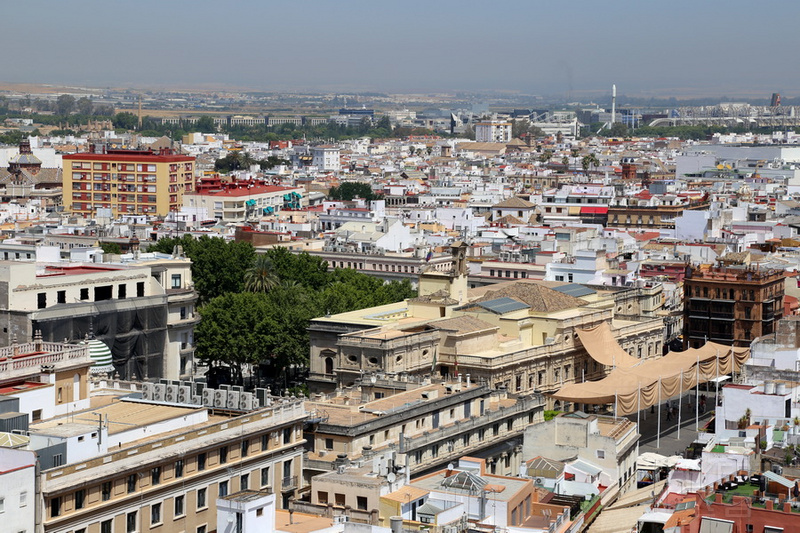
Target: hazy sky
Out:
[676,47]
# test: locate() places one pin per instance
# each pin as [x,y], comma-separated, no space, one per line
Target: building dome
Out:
[101,355]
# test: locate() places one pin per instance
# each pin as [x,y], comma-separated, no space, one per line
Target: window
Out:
[139,290]
[201,529]
[339,499]
[80,498]
[264,442]
[201,498]
[179,468]
[122,291]
[601,454]
[2,505]
[223,455]
[287,435]
[155,514]
[41,299]
[105,292]
[23,498]
[131,483]
[105,491]
[155,475]
[105,526]
[265,476]
[176,281]
[201,461]
[223,489]
[84,294]
[328,444]
[61,297]
[55,506]
[130,522]
[361,502]
[179,506]
[245,447]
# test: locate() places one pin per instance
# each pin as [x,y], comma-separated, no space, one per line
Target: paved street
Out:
[670,443]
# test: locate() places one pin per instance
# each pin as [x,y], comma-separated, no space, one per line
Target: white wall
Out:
[17,489]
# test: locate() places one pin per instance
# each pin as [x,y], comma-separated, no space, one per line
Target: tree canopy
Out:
[352,189]
[218,266]
[270,326]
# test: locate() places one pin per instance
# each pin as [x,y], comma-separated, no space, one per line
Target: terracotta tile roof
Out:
[462,324]
[538,297]
[510,219]
[515,202]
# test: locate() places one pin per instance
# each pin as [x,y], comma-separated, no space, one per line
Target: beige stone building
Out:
[427,425]
[522,336]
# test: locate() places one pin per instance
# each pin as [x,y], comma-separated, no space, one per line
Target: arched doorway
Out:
[329,365]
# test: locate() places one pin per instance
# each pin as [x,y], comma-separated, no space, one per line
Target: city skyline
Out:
[580,48]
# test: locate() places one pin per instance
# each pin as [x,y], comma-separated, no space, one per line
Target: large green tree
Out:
[218,266]
[260,277]
[352,189]
[65,104]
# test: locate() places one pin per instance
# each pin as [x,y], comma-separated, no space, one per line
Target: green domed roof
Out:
[101,355]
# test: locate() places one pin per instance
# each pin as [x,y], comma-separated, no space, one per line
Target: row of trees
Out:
[255,309]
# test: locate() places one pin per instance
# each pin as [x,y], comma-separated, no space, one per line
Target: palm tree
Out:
[260,277]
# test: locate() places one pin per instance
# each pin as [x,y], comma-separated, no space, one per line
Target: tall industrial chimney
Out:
[613,104]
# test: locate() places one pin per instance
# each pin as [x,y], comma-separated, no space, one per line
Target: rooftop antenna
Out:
[140,112]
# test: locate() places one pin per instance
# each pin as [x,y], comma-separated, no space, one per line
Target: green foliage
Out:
[273,323]
[125,121]
[110,248]
[618,129]
[12,137]
[218,266]
[351,189]
[236,160]
[549,415]
[260,277]
[205,124]
[65,104]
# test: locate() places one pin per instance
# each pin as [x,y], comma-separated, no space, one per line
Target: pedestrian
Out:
[796,491]
[669,413]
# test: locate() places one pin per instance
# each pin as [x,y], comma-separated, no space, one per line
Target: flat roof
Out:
[122,416]
[75,270]
[132,157]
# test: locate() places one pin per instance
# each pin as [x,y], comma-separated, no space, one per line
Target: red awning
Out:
[594,210]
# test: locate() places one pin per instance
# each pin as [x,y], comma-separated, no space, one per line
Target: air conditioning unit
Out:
[184,395]
[246,401]
[171,393]
[220,398]
[147,391]
[233,399]
[159,389]
[197,400]
[207,397]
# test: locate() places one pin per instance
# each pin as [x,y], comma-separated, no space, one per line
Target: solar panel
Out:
[503,305]
[574,289]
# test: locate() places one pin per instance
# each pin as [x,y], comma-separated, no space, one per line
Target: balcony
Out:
[289,483]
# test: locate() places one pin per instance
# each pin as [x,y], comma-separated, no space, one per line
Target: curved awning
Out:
[602,346]
[655,380]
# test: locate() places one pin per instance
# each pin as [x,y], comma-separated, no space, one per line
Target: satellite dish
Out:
[391,478]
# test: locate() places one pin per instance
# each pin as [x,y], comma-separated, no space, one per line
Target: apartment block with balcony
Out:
[731,305]
[161,468]
[127,182]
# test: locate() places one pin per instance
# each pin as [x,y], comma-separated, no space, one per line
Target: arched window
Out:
[329,365]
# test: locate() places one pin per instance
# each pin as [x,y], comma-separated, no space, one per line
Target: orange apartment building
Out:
[141,182]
